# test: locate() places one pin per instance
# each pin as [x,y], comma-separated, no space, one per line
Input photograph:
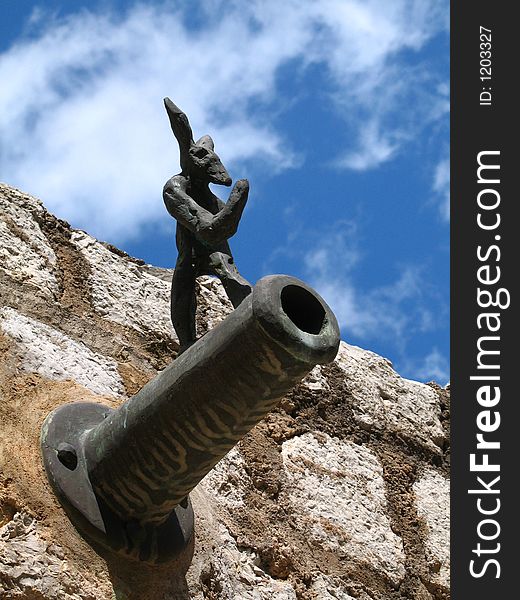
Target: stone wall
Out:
[342,492]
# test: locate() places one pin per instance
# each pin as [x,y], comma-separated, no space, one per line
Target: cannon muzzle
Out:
[124,475]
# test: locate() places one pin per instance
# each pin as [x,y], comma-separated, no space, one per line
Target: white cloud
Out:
[373,149]
[441,187]
[408,308]
[83,127]
[337,247]
[395,311]
[433,367]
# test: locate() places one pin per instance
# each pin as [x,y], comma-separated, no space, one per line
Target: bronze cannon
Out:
[124,476]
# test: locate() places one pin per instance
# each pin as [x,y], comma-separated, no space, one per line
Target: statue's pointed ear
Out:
[206,142]
[180,126]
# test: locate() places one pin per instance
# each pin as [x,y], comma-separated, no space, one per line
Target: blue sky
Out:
[337,111]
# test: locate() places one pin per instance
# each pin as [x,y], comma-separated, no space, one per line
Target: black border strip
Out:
[477,127]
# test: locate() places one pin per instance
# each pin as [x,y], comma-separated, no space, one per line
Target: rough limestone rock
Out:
[432,491]
[340,493]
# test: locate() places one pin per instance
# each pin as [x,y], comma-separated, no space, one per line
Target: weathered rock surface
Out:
[384,401]
[44,350]
[432,491]
[25,252]
[340,493]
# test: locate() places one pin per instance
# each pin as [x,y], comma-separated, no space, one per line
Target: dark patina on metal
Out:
[124,475]
[204,224]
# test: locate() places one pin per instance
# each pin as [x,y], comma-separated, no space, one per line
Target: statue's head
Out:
[198,158]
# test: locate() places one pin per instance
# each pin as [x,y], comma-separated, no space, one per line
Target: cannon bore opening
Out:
[304,309]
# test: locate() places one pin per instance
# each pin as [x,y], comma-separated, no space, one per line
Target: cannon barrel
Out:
[141,461]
